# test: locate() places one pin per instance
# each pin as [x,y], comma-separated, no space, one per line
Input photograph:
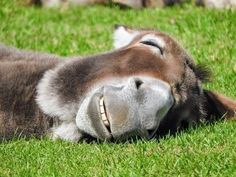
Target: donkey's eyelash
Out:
[151,43]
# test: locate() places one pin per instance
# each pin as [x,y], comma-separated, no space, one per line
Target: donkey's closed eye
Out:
[153,44]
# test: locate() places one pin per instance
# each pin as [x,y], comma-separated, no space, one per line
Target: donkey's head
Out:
[148,84]
[192,103]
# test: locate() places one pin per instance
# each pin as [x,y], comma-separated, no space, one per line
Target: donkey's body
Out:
[20,72]
[148,85]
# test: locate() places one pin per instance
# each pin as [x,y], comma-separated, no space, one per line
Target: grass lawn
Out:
[209,35]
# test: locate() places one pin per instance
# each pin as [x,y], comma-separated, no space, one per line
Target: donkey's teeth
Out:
[104,117]
[102,110]
[101,101]
[103,113]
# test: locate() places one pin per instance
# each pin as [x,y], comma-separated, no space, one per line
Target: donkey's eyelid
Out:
[154,44]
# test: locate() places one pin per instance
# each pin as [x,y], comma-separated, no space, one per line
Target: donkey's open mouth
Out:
[103,113]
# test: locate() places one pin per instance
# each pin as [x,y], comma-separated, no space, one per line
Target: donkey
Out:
[136,4]
[217,3]
[147,87]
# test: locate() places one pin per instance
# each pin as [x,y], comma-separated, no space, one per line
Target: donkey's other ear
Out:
[123,36]
[219,106]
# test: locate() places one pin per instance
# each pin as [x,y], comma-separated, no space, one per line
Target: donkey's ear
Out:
[123,36]
[219,106]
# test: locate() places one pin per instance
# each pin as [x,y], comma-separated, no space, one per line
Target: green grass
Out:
[209,35]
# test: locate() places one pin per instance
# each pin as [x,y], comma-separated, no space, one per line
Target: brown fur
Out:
[19,75]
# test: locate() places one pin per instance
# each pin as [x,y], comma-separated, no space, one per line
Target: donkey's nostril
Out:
[138,83]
